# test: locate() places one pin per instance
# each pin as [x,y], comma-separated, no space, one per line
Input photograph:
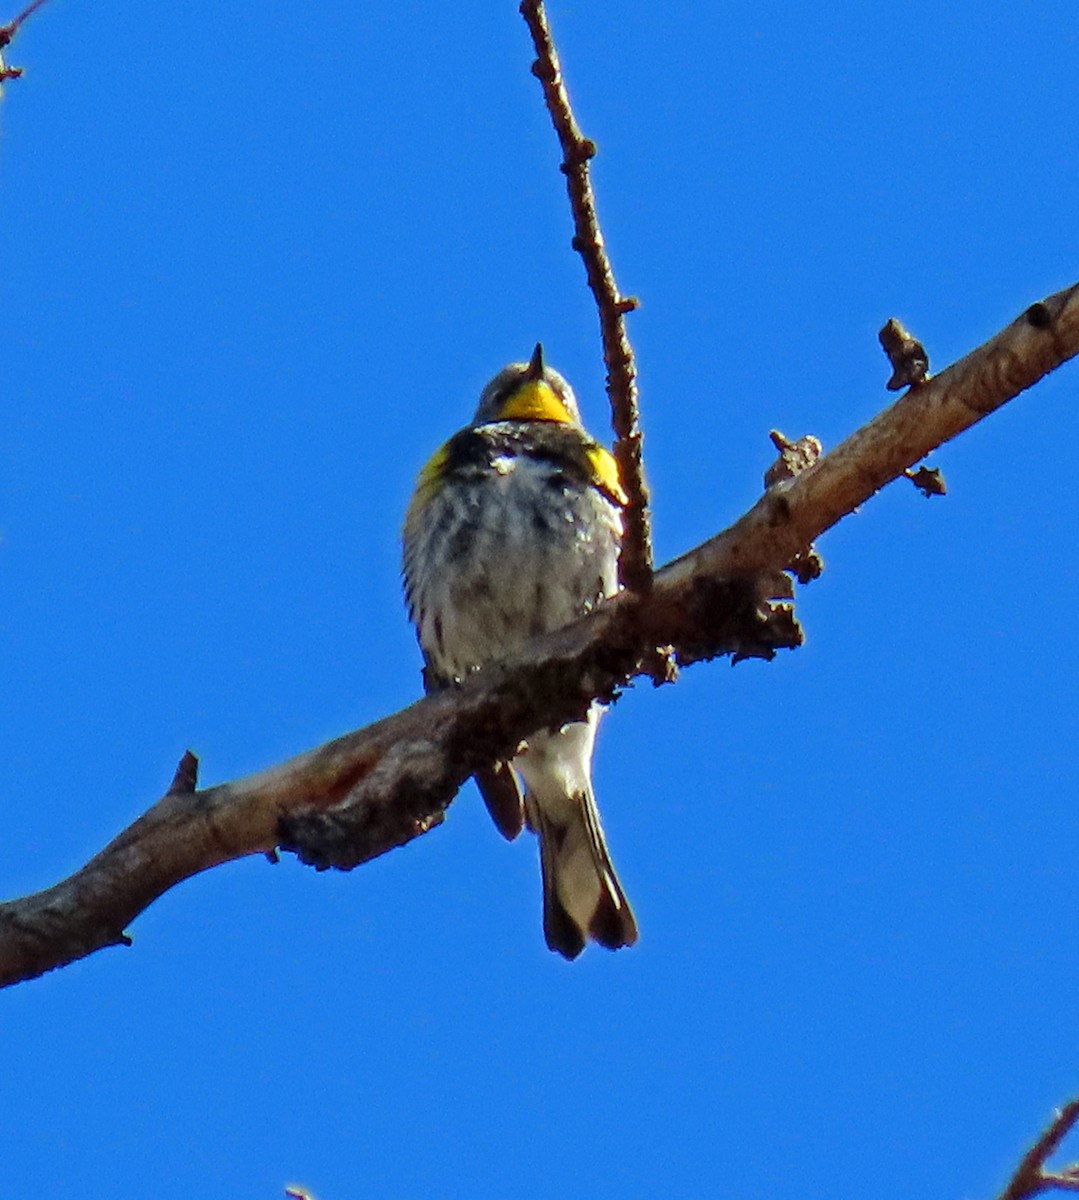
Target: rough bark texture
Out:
[369,791]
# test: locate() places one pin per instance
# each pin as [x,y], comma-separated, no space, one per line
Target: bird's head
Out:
[529,391]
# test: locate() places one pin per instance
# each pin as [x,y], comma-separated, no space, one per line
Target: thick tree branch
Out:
[379,787]
[635,563]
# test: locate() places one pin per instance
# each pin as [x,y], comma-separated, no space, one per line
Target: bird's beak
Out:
[535,364]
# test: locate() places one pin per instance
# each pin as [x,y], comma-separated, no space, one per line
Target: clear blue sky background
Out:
[257,262]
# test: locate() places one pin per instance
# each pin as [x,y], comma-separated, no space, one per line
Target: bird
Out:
[514,530]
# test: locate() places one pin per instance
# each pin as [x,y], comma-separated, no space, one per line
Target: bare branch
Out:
[7,34]
[8,31]
[379,787]
[635,563]
[1031,1177]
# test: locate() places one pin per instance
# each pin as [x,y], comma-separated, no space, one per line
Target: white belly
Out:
[517,552]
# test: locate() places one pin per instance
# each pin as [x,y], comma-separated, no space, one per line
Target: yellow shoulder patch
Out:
[605,469]
[432,468]
[427,481]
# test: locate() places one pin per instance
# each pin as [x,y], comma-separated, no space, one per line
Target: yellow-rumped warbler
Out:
[514,530]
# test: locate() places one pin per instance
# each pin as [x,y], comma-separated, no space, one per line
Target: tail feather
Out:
[612,925]
[582,897]
[502,795]
[559,928]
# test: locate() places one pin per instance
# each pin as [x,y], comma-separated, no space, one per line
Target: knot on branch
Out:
[578,152]
[186,778]
[1040,315]
[909,359]
[545,71]
[928,480]
[745,618]
[806,565]
[794,457]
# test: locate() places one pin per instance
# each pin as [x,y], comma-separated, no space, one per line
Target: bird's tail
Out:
[582,897]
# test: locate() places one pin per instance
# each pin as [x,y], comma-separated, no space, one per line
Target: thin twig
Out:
[1031,1177]
[8,31]
[7,34]
[635,565]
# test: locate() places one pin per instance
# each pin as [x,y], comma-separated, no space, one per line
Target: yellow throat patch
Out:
[535,400]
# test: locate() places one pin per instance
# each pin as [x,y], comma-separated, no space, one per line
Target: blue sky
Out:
[257,264]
